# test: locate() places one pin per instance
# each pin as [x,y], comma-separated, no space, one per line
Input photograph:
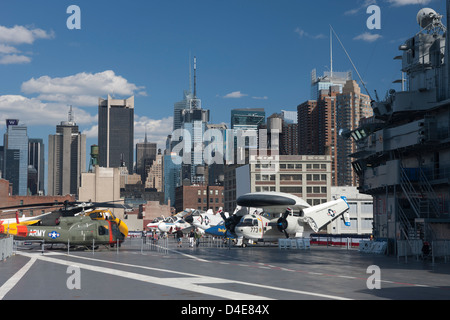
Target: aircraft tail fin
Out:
[320,215]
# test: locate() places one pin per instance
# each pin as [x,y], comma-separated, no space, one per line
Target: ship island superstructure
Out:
[403,151]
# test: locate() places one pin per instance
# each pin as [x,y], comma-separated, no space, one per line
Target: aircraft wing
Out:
[319,216]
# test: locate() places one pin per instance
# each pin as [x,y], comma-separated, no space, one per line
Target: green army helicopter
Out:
[71,226]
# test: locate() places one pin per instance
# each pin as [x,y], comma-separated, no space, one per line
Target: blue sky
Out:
[250,53]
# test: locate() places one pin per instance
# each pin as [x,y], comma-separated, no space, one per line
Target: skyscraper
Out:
[327,80]
[36,165]
[145,155]
[247,118]
[178,108]
[351,106]
[116,132]
[320,121]
[189,116]
[15,167]
[66,158]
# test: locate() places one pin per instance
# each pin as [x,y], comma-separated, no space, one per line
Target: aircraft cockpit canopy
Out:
[248,222]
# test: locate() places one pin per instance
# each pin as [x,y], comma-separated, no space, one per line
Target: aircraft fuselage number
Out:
[254,229]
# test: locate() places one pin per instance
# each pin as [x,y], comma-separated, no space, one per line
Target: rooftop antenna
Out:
[195,77]
[354,67]
[331,53]
[190,74]
[70,114]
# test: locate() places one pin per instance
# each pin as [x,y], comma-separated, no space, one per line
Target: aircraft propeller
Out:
[282,222]
[231,222]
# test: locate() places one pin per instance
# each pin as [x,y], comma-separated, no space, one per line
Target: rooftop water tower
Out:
[94,157]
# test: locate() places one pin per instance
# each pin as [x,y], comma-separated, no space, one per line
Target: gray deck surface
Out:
[210,273]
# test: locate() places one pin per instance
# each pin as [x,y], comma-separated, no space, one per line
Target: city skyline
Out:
[257,54]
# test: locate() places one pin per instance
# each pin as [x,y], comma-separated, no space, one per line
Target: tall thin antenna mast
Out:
[195,77]
[331,53]
[190,74]
[70,114]
[354,67]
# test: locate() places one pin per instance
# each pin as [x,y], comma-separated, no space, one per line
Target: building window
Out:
[291,189]
[290,177]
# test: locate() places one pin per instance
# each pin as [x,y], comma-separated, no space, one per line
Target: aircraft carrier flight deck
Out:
[139,271]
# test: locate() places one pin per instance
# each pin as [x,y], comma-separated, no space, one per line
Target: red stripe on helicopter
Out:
[22,231]
[111,240]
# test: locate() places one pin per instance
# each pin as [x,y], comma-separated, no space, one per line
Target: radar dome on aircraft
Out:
[425,17]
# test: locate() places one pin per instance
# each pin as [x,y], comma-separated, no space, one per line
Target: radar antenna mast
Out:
[354,67]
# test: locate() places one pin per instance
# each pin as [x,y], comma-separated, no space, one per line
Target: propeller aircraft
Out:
[267,216]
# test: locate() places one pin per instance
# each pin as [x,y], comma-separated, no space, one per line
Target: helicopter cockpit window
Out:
[102,231]
[111,216]
[95,215]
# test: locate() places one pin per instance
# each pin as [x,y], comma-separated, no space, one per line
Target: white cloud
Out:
[35,112]
[235,95]
[302,33]
[361,7]
[7,49]
[92,132]
[157,130]
[368,37]
[21,34]
[18,35]
[14,59]
[398,3]
[261,98]
[82,89]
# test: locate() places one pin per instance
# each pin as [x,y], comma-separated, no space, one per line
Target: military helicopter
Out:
[75,224]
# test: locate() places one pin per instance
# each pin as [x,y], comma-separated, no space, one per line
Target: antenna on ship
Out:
[354,67]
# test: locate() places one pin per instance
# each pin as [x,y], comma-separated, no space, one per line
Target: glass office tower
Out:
[116,132]
[15,166]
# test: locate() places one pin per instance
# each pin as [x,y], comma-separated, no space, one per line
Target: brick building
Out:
[8,200]
[201,197]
